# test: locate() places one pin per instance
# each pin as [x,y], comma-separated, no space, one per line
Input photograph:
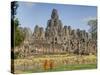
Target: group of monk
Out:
[48,65]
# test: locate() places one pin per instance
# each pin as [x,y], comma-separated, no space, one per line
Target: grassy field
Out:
[46,63]
[62,68]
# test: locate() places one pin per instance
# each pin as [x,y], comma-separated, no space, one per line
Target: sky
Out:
[76,16]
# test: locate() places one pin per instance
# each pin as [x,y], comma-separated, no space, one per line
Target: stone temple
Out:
[56,38]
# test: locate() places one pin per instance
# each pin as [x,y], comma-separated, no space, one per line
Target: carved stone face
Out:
[54,14]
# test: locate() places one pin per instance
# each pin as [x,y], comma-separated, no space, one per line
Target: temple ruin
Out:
[57,38]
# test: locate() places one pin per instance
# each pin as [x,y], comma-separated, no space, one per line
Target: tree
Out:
[14,6]
[93,29]
[17,35]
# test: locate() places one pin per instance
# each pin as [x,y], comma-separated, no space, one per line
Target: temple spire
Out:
[54,14]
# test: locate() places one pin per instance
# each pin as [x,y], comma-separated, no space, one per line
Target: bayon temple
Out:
[56,38]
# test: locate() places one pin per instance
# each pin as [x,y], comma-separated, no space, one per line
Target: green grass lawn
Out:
[76,67]
[64,68]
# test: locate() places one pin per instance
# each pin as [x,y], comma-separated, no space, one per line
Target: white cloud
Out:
[86,19]
[30,4]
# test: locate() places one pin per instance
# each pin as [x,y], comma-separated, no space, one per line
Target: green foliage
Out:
[93,29]
[16,23]
[19,37]
[17,34]
[92,23]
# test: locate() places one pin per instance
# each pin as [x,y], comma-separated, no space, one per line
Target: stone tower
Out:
[57,38]
[54,28]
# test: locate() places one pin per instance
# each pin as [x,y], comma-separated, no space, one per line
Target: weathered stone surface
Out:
[57,38]
[28,33]
[54,14]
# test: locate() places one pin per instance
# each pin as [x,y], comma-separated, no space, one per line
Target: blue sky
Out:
[76,16]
